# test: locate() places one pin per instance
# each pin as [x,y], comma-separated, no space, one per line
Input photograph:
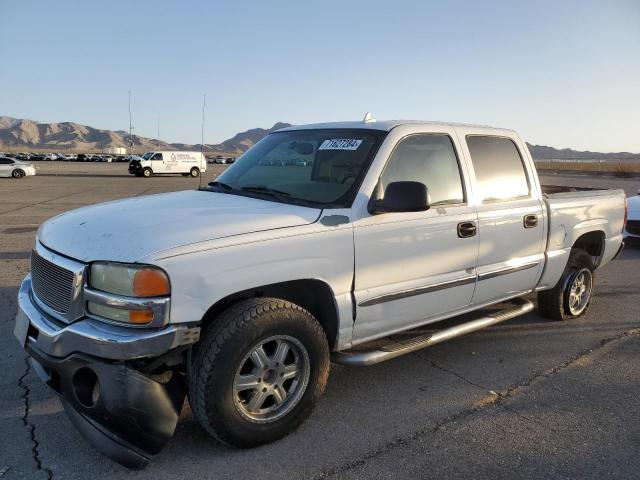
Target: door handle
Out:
[467,229]
[530,221]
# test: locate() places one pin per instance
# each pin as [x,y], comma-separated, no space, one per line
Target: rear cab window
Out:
[499,168]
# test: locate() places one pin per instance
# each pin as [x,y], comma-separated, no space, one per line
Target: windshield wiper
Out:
[266,190]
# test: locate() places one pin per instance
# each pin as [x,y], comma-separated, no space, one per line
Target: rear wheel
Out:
[258,372]
[194,172]
[571,296]
[147,172]
[17,173]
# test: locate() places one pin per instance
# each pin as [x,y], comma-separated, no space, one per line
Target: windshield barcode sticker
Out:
[340,144]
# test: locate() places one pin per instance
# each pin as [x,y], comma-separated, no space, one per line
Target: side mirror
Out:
[402,197]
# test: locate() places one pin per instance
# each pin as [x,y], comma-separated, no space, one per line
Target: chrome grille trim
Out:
[57,284]
[51,283]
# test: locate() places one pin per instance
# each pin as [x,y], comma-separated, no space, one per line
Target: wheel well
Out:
[592,243]
[313,295]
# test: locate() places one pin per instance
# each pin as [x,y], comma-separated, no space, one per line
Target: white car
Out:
[10,167]
[240,293]
[632,227]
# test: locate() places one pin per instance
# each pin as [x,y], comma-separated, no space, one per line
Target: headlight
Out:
[129,280]
[137,281]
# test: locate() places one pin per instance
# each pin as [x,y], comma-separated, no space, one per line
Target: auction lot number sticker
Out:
[340,144]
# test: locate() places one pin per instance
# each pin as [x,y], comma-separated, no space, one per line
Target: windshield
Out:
[147,155]
[321,167]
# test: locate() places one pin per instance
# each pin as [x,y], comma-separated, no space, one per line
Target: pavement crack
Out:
[446,370]
[497,400]
[31,428]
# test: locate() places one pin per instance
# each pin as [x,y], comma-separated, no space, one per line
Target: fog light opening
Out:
[86,387]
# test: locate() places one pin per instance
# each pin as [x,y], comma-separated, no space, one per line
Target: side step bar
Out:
[396,349]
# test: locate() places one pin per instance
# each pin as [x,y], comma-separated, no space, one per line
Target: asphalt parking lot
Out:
[529,398]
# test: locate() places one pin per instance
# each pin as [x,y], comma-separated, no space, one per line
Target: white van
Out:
[186,163]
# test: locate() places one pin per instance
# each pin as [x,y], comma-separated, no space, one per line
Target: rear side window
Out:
[500,173]
[429,159]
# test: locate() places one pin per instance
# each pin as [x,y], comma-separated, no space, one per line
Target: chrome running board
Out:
[396,349]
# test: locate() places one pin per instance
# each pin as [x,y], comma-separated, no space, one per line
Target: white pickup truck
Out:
[320,243]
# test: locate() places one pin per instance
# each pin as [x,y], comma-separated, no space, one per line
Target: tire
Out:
[147,172]
[17,173]
[225,358]
[194,172]
[559,303]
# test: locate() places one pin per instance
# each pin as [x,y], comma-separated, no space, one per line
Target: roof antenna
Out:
[368,118]
[204,104]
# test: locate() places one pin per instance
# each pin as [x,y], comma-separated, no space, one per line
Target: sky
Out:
[562,73]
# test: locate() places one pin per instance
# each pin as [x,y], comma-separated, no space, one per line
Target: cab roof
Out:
[383,125]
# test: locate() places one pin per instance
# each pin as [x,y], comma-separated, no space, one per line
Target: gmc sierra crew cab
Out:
[319,244]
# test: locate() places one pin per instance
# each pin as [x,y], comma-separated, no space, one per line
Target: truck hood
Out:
[131,229]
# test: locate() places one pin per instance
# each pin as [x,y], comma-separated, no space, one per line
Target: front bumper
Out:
[122,412]
[94,337]
[135,168]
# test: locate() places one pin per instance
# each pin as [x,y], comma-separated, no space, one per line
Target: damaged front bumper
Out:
[126,414]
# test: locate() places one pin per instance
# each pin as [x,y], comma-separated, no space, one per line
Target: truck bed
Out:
[552,190]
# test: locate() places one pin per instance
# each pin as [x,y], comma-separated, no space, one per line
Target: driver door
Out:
[413,266]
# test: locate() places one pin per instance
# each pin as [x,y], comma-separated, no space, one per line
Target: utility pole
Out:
[130,127]
[158,133]
[204,104]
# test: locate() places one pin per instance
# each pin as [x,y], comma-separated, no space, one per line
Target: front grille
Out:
[633,227]
[52,284]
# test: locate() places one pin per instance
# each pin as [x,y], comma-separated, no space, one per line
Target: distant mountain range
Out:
[19,134]
[24,135]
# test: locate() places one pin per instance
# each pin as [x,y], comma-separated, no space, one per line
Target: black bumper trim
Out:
[107,442]
[129,419]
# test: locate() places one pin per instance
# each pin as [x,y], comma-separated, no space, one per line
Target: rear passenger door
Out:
[510,216]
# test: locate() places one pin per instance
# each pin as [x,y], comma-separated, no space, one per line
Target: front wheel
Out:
[571,296]
[17,173]
[147,172]
[258,372]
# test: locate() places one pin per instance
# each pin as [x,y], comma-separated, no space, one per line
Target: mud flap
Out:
[124,414]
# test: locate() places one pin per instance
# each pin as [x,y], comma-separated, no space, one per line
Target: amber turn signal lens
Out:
[140,317]
[148,282]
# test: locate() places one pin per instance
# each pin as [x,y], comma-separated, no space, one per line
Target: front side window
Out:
[157,156]
[429,159]
[6,161]
[500,173]
[322,167]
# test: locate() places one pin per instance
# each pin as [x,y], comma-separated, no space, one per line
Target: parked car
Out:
[10,167]
[239,294]
[632,227]
[50,156]
[164,162]
[37,157]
